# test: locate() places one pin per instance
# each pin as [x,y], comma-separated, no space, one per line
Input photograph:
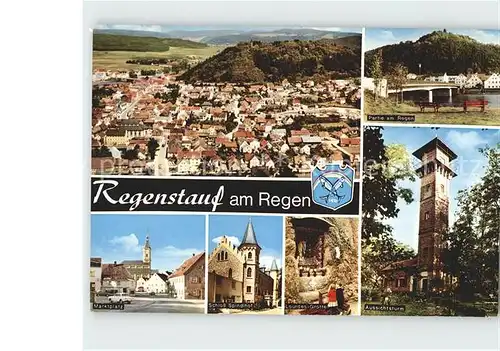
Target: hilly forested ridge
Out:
[234,36]
[439,52]
[114,42]
[295,60]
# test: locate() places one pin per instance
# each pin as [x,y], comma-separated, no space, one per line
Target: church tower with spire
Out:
[146,252]
[251,253]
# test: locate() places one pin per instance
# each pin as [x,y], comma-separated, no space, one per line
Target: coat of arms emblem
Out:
[333,185]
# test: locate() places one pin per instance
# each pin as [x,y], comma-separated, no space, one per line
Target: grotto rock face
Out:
[340,263]
[292,287]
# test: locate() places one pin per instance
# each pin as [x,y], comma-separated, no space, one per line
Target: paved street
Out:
[160,305]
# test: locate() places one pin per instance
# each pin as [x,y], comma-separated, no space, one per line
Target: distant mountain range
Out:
[231,37]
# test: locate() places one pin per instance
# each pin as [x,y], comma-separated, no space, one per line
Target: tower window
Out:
[249,289]
[249,272]
[218,256]
[249,255]
[442,188]
[230,274]
[225,255]
[427,215]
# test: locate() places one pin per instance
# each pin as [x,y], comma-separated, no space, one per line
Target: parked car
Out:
[120,298]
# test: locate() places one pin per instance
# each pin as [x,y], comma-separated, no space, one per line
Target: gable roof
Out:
[162,276]
[115,272]
[187,265]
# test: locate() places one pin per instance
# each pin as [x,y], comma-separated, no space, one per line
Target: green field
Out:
[446,115]
[115,60]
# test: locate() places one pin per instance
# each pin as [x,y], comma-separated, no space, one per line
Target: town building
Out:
[492,82]
[369,84]
[140,268]
[189,279]
[117,279]
[424,273]
[157,283]
[235,273]
[95,275]
[473,81]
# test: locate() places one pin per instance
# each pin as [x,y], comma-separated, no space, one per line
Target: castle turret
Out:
[274,274]
[251,251]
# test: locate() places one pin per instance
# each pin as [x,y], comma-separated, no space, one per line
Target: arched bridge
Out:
[430,87]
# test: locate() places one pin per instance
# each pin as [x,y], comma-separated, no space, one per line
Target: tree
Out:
[384,167]
[397,79]
[230,124]
[377,254]
[376,71]
[152,147]
[471,254]
[380,190]
[171,290]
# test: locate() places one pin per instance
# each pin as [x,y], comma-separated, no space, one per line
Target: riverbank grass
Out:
[446,115]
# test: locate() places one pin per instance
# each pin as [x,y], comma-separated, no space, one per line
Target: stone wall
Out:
[341,264]
[221,267]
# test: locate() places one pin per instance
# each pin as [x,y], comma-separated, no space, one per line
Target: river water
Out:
[441,96]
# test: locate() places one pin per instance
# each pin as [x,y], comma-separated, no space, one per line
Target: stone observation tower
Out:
[435,174]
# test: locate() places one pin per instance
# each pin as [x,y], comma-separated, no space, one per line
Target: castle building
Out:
[235,274]
[425,272]
[140,268]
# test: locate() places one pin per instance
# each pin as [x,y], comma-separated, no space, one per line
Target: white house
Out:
[284,148]
[95,273]
[443,79]
[141,284]
[368,83]
[179,282]
[306,149]
[158,283]
[245,147]
[473,81]
[270,164]
[254,162]
[189,164]
[493,82]
[255,145]
[460,79]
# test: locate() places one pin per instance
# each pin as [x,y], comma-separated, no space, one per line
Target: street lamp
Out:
[419,69]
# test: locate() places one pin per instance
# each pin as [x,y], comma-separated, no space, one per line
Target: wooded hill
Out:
[272,62]
[112,42]
[439,52]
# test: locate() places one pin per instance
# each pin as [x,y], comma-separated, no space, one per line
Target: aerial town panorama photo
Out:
[248,102]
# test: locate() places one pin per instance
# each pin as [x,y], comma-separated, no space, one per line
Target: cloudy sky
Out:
[469,166]
[377,37]
[173,239]
[268,230]
[160,28]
